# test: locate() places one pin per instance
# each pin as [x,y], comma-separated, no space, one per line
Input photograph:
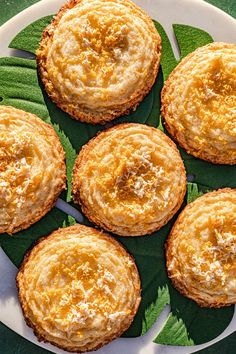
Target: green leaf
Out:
[153,311]
[190,38]
[175,333]
[229,7]
[29,38]
[168,60]
[209,175]
[192,192]
[13,343]
[11,8]
[160,125]
[149,255]
[16,246]
[19,86]
[187,323]
[154,118]
[70,157]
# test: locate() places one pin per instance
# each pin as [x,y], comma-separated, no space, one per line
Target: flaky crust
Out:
[64,275]
[116,65]
[32,169]
[129,179]
[200,250]
[198,103]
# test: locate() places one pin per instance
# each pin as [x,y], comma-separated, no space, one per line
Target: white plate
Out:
[192,12]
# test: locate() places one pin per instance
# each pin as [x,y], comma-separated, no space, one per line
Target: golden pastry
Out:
[201,250]
[79,289]
[199,103]
[129,179]
[99,59]
[32,169]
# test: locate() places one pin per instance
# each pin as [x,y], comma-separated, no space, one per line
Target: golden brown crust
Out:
[63,234]
[194,238]
[169,163]
[29,187]
[195,110]
[121,107]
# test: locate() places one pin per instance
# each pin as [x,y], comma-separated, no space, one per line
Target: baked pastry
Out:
[79,289]
[199,100]
[200,250]
[129,179]
[98,59]
[32,169]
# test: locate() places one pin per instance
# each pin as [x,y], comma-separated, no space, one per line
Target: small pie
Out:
[130,179]
[199,103]
[78,288]
[99,59]
[201,250]
[32,169]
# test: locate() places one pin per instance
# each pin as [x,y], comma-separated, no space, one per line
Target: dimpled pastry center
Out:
[138,179]
[98,44]
[80,291]
[15,158]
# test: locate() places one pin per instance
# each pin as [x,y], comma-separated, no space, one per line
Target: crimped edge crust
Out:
[33,218]
[75,111]
[175,134]
[168,247]
[81,160]
[119,246]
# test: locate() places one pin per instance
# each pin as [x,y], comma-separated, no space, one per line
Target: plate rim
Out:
[23,21]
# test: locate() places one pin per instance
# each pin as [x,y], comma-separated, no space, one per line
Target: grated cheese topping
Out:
[101,52]
[202,254]
[29,171]
[131,179]
[78,289]
[200,103]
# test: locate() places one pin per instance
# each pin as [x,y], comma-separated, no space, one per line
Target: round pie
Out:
[201,250]
[98,59]
[129,179]
[32,169]
[199,103]
[79,289]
